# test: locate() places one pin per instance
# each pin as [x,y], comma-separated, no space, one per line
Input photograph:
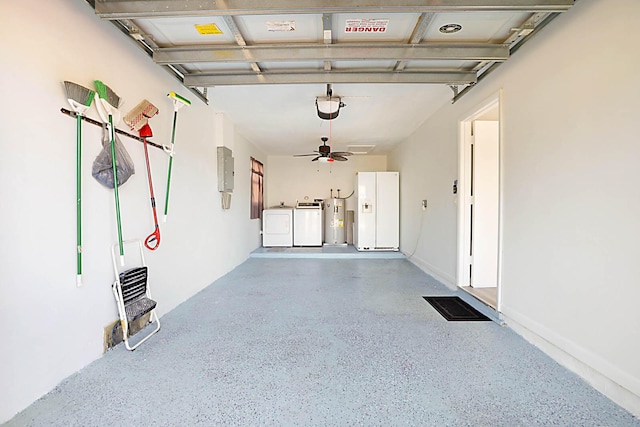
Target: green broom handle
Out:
[78,198]
[173,137]
[115,186]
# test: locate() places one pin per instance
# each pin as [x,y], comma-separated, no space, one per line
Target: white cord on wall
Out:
[424,213]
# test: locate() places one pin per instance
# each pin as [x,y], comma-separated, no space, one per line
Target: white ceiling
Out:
[282,119]
[264,63]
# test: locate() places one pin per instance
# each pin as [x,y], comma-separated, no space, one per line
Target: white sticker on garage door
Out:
[277,26]
[366,25]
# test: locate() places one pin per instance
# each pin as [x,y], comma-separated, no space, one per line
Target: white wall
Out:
[570,199]
[427,162]
[49,328]
[290,179]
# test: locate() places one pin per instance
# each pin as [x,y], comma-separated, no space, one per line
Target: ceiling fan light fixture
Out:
[325,155]
[328,108]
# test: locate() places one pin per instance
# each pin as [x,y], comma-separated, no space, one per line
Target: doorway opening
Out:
[479,203]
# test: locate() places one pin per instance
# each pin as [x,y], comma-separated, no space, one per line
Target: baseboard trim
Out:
[537,335]
[439,275]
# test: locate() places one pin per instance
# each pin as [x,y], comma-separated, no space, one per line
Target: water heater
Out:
[334,223]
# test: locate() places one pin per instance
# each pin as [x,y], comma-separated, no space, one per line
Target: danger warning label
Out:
[366,25]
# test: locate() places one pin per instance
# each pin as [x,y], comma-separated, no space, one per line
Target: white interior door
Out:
[485,203]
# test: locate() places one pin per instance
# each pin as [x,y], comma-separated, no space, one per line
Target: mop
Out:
[108,103]
[178,102]
[80,99]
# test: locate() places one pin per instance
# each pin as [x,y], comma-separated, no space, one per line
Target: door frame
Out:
[462,197]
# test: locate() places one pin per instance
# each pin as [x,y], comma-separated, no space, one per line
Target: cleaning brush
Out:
[139,115]
[181,100]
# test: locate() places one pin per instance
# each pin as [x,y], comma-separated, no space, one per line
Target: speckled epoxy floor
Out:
[318,342]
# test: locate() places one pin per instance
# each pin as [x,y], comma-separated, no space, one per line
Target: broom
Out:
[108,103]
[80,99]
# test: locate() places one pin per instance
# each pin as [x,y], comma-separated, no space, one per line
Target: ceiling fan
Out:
[324,153]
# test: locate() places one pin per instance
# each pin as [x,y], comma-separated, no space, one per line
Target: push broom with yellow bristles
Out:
[178,102]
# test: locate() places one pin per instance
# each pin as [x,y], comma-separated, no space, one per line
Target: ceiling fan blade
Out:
[304,155]
[339,158]
[342,153]
[313,160]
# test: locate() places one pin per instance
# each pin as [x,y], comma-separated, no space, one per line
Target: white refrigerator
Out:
[377,214]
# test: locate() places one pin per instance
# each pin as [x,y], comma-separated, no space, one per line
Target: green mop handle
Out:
[112,134]
[173,137]
[78,198]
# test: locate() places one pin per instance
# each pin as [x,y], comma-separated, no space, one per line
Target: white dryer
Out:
[277,227]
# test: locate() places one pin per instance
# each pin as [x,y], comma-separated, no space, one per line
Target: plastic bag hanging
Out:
[102,169]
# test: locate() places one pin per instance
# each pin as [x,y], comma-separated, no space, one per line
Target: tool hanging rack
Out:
[121,132]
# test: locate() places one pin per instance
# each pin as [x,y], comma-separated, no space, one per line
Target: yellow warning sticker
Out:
[206,29]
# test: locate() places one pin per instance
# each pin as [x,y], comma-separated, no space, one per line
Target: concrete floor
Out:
[326,252]
[324,342]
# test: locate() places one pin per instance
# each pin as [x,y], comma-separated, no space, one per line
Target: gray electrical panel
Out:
[225,169]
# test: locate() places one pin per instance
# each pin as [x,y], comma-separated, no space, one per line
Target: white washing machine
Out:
[307,224]
[277,227]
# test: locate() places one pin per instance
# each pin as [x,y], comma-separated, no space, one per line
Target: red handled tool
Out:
[153,240]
